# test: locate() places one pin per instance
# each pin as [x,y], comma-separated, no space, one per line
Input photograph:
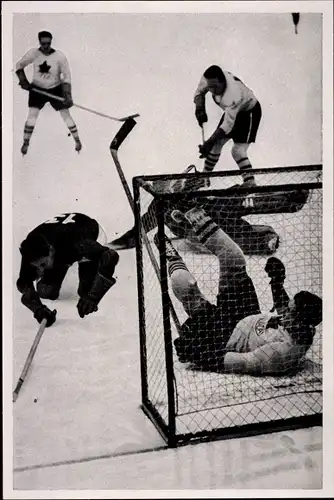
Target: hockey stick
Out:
[29,359]
[203,137]
[61,99]
[114,146]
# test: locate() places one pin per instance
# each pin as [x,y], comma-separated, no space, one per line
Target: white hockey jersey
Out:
[236,97]
[49,70]
[256,348]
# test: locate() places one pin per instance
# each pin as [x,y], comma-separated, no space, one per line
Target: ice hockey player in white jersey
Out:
[233,335]
[240,121]
[51,73]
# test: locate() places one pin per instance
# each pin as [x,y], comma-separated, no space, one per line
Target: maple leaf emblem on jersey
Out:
[44,68]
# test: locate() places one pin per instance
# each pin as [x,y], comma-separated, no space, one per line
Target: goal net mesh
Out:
[285,222]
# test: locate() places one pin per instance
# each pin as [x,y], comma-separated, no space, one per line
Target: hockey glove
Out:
[86,306]
[23,81]
[205,148]
[67,93]
[275,270]
[43,312]
[201,115]
[89,303]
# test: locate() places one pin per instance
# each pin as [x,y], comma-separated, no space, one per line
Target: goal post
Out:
[280,216]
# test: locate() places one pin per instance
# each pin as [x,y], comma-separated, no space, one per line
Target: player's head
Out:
[45,39]
[216,79]
[36,250]
[307,308]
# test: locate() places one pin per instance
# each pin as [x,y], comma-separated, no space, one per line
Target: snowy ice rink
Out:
[86,426]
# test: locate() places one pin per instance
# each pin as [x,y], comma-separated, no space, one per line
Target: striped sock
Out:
[74,131]
[245,167]
[210,162]
[176,265]
[174,260]
[27,133]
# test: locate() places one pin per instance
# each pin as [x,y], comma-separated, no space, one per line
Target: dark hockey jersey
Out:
[74,237]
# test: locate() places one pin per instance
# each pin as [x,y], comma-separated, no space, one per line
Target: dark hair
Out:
[214,72]
[34,247]
[44,34]
[309,307]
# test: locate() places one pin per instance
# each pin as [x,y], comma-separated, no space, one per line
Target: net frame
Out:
[166,420]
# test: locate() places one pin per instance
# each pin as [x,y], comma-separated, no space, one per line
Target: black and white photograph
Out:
[167,182]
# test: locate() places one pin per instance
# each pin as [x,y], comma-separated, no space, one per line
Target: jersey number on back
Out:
[61,219]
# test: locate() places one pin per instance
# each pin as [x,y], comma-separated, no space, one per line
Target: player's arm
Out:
[199,100]
[66,79]
[223,130]
[276,271]
[30,298]
[107,259]
[27,59]
[273,358]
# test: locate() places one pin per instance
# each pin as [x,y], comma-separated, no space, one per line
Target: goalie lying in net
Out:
[235,336]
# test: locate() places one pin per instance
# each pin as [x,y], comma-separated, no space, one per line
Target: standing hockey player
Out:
[240,121]
[51,73]
[50,249]
[234,336]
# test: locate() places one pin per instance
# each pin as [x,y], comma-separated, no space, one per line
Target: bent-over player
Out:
[50,249]
[240,121]
[51,73]
[234,336]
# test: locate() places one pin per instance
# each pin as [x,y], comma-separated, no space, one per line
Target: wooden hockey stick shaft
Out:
[29,359]
[61,99]
[115,144]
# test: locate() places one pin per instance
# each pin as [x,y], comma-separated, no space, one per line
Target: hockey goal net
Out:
[282,216]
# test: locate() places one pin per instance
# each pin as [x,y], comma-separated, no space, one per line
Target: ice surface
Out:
[85,374]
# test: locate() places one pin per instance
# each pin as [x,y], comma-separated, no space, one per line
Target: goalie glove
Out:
[23,81]
[89,303]
[67,93]
[275,270]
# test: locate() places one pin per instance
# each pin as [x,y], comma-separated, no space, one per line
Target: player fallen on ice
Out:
[48,252]
[51,73]
[228,212]
[234,336]
[239,123]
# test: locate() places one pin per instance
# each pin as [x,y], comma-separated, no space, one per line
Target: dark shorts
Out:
[38,100]
[246,125]
[204,335]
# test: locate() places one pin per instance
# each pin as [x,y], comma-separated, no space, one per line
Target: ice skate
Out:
[24,147]
[125,242]
[78,145]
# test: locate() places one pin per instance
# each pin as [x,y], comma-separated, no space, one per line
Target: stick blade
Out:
[122,133]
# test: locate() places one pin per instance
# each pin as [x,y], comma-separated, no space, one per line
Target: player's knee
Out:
[239,151]
[46,291]
[109,261]
[185,289]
